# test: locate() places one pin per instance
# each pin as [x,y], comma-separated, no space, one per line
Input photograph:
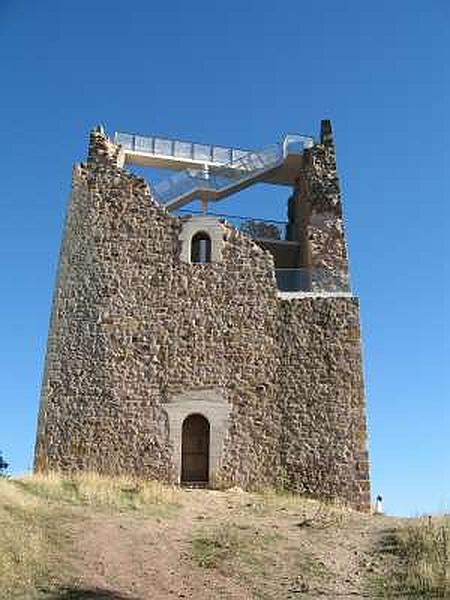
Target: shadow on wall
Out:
[73,593]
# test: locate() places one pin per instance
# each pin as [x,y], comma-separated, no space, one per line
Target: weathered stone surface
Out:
[134,327]
[320,378]
[315,211]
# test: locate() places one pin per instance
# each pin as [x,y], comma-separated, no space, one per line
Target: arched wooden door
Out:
[195,450]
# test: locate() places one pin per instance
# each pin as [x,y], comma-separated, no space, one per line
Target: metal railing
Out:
[253,227]
[225,178]
[296,143]
[225,170]
[312,280]
[208,153]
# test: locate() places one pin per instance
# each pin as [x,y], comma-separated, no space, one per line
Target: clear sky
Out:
[244,73]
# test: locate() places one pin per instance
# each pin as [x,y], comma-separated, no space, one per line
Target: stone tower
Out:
[185,349]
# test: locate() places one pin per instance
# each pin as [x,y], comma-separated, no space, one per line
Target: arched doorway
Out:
[195,450]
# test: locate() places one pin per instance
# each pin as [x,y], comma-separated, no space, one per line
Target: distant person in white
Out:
[379,505]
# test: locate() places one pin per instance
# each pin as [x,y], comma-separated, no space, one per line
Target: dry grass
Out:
[31,509]
[424,550]
[265,562]
[273,544]
[24,546]
[91,489]
[311,512]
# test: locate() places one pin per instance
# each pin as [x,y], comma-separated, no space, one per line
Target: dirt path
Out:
[304,553]
[150,558]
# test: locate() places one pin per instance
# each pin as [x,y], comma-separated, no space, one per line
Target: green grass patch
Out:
[310,566]
[236,546]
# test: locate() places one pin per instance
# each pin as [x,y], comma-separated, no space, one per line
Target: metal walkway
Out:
[210,173]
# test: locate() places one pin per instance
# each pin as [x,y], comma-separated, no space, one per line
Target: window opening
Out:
[201,248]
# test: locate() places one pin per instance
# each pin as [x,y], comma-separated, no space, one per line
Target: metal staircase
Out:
[212,172]
[214,184]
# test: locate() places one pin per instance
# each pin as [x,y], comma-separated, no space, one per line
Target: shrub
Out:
[3,465]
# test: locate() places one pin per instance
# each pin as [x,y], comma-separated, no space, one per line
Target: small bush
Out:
[3,466]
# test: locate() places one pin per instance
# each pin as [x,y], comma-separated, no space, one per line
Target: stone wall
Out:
[315,209]
[133,326]
[137,334]
[321,383]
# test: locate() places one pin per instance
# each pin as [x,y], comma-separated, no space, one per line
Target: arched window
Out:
[201,248]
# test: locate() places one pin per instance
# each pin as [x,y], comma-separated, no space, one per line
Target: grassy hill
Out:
[120,539]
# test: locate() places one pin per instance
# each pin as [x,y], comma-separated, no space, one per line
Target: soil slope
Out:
[127,543]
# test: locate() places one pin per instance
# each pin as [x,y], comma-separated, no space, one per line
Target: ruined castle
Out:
[201,349]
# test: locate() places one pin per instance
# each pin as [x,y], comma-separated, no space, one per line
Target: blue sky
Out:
[243,73]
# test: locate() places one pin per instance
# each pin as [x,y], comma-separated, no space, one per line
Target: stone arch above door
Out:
[202,224]
[210,403]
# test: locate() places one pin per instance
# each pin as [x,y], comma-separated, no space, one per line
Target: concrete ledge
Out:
[295,295]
